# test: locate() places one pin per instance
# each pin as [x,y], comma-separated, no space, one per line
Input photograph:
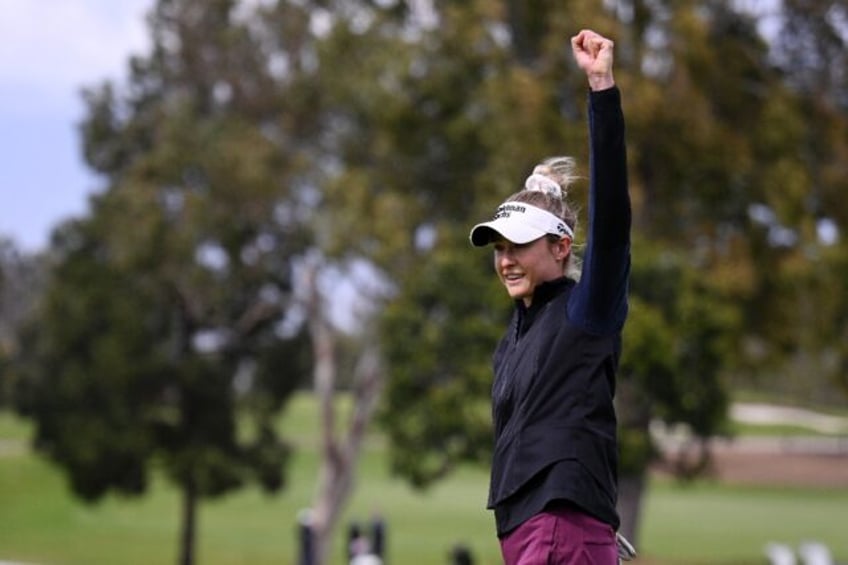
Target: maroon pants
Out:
[560,536]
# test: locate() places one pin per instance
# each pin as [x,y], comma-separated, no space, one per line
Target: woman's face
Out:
[521,267]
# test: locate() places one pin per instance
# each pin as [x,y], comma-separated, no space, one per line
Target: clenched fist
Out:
[594,54]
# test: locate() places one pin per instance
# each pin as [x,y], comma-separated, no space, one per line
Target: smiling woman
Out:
[553,479]
[48,56]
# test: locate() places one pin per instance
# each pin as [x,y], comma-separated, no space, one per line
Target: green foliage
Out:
[112,383]
[438,344]
[165,316]
[680,342]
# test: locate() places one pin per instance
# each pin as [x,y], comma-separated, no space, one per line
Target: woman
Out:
[554,477]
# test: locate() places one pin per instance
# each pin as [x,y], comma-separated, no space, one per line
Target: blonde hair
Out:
[561,171]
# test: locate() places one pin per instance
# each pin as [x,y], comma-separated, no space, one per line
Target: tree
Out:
[164,337]
[229,153]
[436,411]
[340,447]
[680,339]
[810,49]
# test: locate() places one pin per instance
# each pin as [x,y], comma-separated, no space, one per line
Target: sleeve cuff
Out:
[606,96]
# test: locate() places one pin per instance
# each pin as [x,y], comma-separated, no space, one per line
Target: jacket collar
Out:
[544,293]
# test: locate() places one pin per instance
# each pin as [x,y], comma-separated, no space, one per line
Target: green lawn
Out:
[710,524]
[701,524]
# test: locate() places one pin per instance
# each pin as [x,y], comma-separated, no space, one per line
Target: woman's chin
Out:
[517,292]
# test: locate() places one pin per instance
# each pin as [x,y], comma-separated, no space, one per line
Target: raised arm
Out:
[599,303]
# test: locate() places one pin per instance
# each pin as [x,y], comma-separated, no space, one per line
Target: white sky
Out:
[49,51]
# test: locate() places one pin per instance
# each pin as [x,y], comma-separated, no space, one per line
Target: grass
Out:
[707,523]
[41,522]
[704,523]
[738,429]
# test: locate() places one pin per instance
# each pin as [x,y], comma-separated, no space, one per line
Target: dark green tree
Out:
[168,335]
[811,49]
[439,356]
[680,339]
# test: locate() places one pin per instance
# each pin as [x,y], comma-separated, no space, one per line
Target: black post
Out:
[306,539]
[378,535]
[461,555]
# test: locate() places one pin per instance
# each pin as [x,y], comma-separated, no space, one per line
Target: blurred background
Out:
[240,321]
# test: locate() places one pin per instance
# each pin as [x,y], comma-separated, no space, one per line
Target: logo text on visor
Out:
[506,210]
[535,216]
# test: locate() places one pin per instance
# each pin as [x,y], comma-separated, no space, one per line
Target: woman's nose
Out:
[504,257]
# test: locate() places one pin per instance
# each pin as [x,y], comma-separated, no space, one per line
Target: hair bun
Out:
[539,182]
[560,170]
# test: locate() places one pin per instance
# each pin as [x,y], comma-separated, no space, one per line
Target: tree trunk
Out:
[339,456]
[630,495]
[188,525]
[634,419]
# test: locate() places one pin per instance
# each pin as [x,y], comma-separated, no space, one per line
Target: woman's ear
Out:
[562,248]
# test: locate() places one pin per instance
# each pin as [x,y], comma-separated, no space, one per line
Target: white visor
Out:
[519,223]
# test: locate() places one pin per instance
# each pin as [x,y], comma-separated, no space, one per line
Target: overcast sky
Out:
[49,50]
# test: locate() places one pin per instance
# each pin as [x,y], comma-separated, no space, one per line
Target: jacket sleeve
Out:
[599,302]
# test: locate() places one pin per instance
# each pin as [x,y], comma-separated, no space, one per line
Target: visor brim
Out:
[511,230]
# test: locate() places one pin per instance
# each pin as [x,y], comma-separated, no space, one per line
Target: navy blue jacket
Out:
[555,426]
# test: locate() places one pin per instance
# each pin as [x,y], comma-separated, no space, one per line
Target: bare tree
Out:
[339,448]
